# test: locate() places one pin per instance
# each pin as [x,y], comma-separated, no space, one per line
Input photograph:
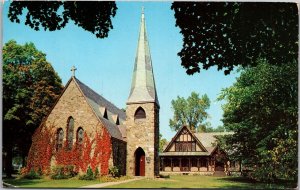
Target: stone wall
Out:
[73,103]
[143,133]
[119,155]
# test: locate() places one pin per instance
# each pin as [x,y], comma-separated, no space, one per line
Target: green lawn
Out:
[62,183]
[200,182]
[172,182]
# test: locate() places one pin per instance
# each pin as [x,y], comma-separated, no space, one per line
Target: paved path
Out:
[112,183]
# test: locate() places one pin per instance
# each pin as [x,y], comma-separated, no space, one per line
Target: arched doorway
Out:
[139,162]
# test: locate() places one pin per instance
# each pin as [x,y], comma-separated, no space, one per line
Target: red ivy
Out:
[94,153]
[41,150]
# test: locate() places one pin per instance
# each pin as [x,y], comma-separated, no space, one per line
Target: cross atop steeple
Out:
[73,69]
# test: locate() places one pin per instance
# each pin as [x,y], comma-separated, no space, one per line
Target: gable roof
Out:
[178,133]
[97,103]
[207,140]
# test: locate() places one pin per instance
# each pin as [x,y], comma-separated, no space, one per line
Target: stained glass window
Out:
[80,133]
[70,131]
[59,138]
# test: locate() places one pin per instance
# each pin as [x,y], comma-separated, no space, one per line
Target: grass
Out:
[172,182]
[62,183]
[200,182]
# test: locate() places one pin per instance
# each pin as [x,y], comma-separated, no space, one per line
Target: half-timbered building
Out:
[196,153]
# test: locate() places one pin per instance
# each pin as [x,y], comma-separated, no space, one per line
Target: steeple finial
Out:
[73,69]
[142,9]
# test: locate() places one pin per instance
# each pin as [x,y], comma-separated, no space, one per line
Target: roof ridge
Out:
[114,110]
[112,128]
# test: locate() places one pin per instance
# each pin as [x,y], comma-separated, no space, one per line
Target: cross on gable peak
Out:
[73,69]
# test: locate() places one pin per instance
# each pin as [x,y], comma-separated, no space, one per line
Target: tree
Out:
[226,34]
[214,33]
[209,129]
[93,16]
[190,111]
[262,111]
[162,143]
[30,88]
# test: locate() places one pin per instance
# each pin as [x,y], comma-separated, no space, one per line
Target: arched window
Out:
[59,138]
[79,136]
[140,113]
[70,131]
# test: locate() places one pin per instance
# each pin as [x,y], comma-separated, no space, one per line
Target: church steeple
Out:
[143,86]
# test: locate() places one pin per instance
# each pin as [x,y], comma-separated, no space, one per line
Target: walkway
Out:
[112,183]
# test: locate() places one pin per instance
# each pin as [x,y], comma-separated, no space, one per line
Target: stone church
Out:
[84,130]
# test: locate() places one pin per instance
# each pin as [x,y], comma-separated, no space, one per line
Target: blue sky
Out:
[106,65]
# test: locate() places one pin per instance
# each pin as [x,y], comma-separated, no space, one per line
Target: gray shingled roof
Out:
[98,104]
[208,140]
[143,85]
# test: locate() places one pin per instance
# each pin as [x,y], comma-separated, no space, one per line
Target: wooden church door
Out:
[139,162]
[142,165]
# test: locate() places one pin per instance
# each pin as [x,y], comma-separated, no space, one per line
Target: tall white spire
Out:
[143,86]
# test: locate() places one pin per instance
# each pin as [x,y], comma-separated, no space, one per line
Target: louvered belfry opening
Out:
[140,113]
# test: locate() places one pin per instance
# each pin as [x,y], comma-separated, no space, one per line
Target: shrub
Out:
[113,179]
[164,176]
[63,172]
[89,175]
[23,171]
[32,175]
[114,171]
[96,173]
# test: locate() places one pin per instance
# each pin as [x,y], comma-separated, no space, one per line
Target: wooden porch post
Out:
[207,163]
[189,164]
[162,164]
[171,165]
[180,164]
[198,164]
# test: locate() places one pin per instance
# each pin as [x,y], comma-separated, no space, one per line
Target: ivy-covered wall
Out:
[96,148]
[119,155]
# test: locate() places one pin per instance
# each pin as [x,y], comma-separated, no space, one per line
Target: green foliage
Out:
[245,31]
[220,128]
[114,171]
[97,173]
[89,175]
[32,175]
[162,143]
[190,111]
[63,172]
[262,111]
[30,88]
[107,178]
[93,16]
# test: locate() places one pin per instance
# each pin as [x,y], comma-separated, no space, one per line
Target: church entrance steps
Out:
[112,183]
